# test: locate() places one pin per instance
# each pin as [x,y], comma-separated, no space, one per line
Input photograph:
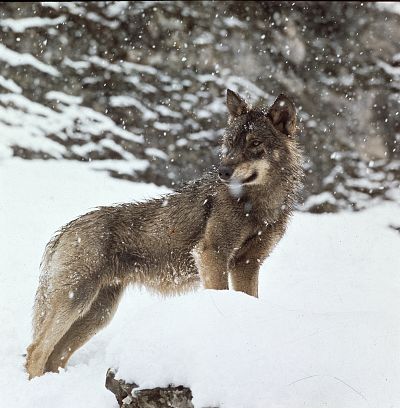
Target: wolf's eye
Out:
[255,143]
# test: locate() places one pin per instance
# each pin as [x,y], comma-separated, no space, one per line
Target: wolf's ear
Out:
[236,105]
[282,114]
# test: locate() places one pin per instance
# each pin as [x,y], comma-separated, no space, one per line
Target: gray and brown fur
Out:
[221,225]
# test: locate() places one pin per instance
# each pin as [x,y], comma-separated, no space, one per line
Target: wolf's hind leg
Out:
[98,316]
[62,310]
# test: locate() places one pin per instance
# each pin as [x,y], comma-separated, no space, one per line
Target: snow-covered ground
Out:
[324,333]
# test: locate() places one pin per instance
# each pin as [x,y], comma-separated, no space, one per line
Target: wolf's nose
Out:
[225,172]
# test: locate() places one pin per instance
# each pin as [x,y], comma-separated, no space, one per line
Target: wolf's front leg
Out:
[212,266]
[245,265]
[244,276]
[213,270]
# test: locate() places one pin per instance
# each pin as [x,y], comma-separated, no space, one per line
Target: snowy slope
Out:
[324,333]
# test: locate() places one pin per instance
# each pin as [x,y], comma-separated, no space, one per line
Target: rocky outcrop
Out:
[168,397]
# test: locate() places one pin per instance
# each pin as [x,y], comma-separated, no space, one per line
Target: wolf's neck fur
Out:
[266,206]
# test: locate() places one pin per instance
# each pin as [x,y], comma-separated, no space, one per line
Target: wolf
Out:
[214,230]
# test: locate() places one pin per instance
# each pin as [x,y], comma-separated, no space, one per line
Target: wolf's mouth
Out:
[250,178]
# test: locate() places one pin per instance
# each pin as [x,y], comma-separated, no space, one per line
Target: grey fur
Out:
[202,233]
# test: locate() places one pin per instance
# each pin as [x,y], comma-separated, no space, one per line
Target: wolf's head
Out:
[259,146]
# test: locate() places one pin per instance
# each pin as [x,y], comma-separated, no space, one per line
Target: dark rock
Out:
[167,397]
[119,388]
